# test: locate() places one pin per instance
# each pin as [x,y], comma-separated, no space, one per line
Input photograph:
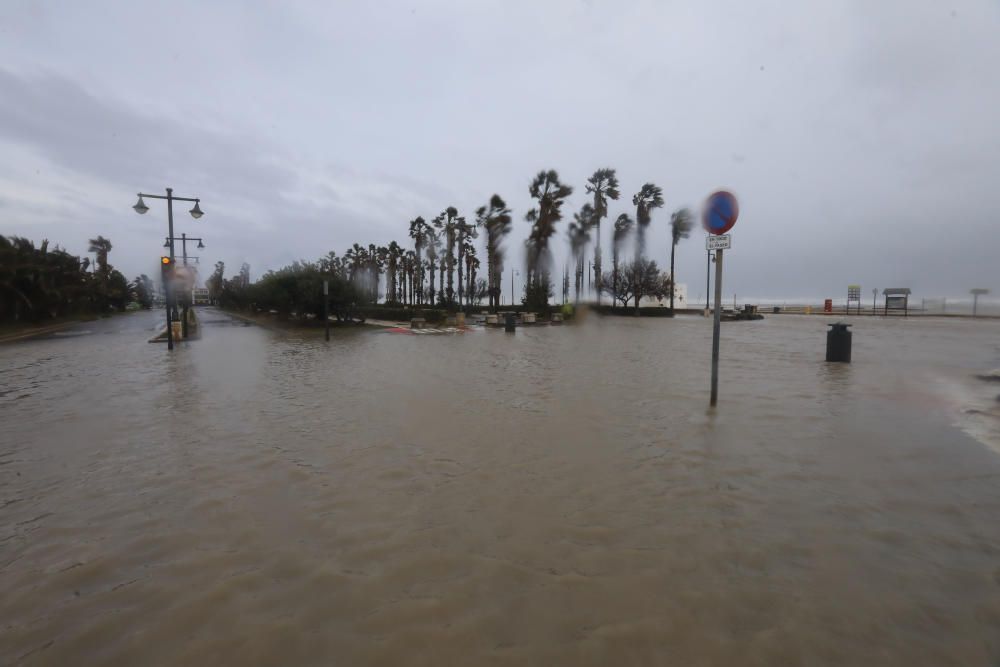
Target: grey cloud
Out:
[860,137]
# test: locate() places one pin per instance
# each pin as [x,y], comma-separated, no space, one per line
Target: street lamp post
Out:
[196,212]
[512,273]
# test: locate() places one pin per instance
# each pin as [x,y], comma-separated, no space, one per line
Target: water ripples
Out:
[563,495]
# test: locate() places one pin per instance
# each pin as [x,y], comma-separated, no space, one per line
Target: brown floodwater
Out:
[559,496]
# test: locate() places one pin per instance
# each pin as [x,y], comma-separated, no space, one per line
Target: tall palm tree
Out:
[392,256]
[419,230]
[464,233]
[402,269]
[604,186]
[442,269]
[102,247]
[645,200]
[358,265]
[433,244]
[496,221]
[681,222]
[447,226]
[623,227]
[376,261]
[579,236]
[471,266]
[550,195]
[413,271]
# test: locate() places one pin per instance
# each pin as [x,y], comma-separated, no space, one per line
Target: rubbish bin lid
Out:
[840,325]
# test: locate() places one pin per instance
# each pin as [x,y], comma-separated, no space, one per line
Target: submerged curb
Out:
[32,333]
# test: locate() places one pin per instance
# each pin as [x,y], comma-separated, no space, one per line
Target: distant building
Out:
[680,299]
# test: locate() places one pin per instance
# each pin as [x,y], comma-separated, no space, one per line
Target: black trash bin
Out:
[510,324]
[838,343]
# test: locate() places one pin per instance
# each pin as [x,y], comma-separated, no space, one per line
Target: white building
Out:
[199,296]
[680,299]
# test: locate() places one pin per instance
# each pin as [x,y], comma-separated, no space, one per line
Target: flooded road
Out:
[560,496]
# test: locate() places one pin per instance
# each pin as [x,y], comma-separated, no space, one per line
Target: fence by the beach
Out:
[933,306]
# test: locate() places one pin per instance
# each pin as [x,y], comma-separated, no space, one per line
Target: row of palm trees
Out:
[442,266]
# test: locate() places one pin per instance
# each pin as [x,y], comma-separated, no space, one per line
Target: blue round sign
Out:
[721,211]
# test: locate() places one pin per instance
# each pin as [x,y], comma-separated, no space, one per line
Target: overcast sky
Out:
[861,138]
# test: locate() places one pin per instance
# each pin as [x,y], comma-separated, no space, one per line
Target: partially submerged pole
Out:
[716,326]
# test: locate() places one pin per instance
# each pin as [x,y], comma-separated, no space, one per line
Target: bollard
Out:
[509,324]
[838,343]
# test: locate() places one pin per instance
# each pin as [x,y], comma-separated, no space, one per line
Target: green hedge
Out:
[403,314]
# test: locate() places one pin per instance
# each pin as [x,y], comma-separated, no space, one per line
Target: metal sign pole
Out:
[721,211]
[715,328]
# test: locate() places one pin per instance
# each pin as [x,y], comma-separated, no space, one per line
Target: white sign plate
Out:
[720,242]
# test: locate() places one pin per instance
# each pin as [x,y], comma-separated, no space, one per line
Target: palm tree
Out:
[623,227]
[392,256]
[495,219]
[447,225]
[681,222]
[376,260]
[419,230]
[604,186]
[464,233]
[442,268]
[550,194]
[413,269]
[471,266]
[433,243]
[645,200]
[579,237]
[356,259]
[102,247]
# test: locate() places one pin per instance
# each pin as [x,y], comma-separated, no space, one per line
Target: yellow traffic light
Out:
[165,261]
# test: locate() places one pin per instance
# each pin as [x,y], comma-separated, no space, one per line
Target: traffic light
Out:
[167,267]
